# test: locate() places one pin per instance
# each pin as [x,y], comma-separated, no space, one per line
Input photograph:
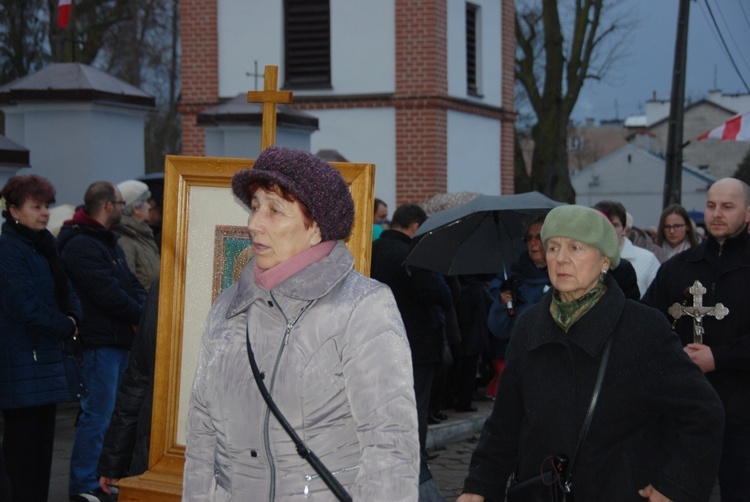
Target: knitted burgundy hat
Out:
[316,183]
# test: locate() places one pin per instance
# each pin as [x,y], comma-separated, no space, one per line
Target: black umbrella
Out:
[483,236]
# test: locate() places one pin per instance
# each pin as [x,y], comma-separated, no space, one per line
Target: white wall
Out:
[489,69]
[362,135]
[75,144]
[244,141]
[638,184]
[362,45]
[473,154]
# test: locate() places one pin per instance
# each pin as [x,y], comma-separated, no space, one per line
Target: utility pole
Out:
[673,171]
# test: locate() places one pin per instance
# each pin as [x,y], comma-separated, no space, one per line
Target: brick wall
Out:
[507,128]
[200,69]
[421,88]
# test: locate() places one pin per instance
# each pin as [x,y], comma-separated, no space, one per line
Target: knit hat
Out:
[132,190]
[315,182]
[585,225]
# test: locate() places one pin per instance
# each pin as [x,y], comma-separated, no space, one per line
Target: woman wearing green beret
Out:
[656,429]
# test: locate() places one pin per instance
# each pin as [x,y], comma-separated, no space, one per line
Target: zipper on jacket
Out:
[310,477]
[266,420]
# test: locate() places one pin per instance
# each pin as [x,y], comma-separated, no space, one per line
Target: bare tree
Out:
[22,33]
[561,44]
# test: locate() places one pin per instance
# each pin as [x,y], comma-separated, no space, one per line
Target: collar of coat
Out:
[310,283]
[739,245]
[589,332]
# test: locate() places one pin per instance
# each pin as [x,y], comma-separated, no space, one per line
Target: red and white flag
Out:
[735,129]
[63,13]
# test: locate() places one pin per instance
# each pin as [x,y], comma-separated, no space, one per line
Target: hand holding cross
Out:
[698,311]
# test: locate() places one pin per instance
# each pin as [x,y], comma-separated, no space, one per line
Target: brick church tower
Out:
[429,93]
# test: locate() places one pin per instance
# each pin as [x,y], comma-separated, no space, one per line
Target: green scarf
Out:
[566,314]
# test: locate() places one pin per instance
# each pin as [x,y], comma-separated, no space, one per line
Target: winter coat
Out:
[420,295]
[331,345]
[126,444]
[624,276]
[532,282]
[34,332]
[111,296]
[724,270]
[141,253]
[472,303]
[657,421]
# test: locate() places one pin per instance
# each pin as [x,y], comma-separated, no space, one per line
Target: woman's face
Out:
[277,228]
[140,214]
[33,214]
[675,229]
[574,267]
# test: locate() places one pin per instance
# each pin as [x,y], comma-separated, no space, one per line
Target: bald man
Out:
[722,264]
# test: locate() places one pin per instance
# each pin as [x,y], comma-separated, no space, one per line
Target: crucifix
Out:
[255,74]
[269,96]
[698,311]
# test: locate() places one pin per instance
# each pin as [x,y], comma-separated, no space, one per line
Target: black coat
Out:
[111,296]
[725,272]
[658,421]
[625,277]
[126,444]
[420,294]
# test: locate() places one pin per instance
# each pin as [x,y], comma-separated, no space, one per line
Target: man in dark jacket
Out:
[722,264]
[417,293]
[126,445]
[112,300]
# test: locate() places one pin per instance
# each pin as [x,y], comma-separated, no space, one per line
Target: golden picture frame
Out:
[198,206]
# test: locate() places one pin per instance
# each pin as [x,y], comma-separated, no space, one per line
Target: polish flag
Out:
[735,129]
[63,13]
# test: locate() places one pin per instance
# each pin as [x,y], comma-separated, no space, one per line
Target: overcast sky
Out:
[648,64]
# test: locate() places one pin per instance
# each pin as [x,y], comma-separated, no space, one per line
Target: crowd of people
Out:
[314,380]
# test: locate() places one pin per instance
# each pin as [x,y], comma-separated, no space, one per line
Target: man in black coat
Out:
[418,293]
[722,264]
[126,445]
[112,300]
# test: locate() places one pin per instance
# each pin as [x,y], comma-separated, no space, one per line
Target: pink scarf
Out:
[274,276]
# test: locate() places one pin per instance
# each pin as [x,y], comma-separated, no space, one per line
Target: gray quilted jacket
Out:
[336,361]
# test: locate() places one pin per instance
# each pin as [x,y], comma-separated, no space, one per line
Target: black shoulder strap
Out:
[594,400]
[302,450]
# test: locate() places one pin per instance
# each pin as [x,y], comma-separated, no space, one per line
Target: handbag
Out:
[555,483]
[302,450]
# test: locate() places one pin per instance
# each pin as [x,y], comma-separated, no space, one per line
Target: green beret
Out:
[583,224]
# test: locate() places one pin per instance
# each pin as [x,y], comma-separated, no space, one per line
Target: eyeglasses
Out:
[673,228]
[118,202]
[530,238]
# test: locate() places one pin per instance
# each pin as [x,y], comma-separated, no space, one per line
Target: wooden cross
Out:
[698,311]
[269,96]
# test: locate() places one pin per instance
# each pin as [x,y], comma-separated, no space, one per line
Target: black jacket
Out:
[418,292]
[126,444]
[658,421]
[111,296]
[725,273]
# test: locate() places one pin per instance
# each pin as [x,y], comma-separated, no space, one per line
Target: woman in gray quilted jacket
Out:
[330,346]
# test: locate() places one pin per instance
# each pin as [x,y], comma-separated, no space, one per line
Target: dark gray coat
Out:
[658,421]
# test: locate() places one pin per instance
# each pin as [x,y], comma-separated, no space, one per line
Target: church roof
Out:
[74,82]
[12,154]
[238,111]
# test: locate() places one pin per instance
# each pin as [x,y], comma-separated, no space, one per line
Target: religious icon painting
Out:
[232,251]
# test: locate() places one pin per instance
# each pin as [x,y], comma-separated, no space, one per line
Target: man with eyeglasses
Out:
[722,264]
[112,300]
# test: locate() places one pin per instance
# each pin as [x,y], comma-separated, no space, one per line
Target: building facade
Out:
[421,88]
